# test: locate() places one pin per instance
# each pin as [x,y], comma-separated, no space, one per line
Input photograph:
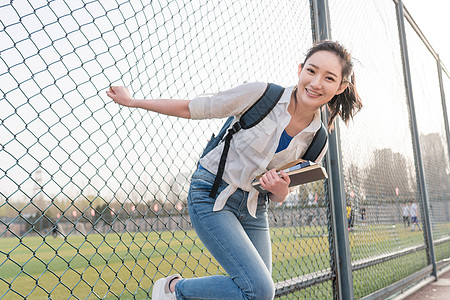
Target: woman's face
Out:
[319,79]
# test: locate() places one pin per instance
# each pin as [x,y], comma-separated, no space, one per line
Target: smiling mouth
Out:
[312,93]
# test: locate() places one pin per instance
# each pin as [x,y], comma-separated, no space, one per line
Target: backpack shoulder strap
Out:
[262,107]
[252,116]
[317,144]
[215,139]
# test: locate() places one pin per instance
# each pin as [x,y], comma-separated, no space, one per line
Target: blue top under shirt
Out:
[285,139]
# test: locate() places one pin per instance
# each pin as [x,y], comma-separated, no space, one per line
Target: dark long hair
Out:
[348,103]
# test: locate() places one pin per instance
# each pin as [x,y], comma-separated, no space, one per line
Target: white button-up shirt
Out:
[252,151]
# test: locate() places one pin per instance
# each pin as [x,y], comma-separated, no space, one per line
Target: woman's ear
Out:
[342,88]
[300,68]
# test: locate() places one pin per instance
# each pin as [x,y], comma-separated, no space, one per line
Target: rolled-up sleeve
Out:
[231,102]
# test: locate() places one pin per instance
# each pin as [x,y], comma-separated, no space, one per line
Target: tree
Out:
[434,163]
[38,222]
[105,213]
[387,172]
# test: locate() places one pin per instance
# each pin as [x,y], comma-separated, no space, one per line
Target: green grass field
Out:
[113,265]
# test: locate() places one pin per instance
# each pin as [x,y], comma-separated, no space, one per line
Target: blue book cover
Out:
[299,166]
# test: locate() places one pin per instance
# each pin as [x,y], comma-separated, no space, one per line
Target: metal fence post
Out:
[321,31]
[444,105]
[415,138]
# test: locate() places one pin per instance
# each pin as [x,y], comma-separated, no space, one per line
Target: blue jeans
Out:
[239,242]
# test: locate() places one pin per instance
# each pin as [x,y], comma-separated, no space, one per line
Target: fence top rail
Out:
[423,38]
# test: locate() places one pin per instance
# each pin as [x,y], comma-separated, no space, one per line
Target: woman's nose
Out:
[315,82]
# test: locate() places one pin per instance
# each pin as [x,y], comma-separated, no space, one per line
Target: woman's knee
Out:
[268,292]
[262,290]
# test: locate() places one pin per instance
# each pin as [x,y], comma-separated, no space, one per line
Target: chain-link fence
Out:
[378,153]
[93,196]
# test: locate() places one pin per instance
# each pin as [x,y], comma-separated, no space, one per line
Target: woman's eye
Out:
[330,78]
[310,71]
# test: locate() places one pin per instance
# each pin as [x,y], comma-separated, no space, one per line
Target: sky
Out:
[433,20]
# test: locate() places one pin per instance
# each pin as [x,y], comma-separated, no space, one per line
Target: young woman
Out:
[234,226]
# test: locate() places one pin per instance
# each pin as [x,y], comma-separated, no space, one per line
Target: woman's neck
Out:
[301,116]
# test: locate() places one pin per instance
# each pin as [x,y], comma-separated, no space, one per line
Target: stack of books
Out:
[300,172]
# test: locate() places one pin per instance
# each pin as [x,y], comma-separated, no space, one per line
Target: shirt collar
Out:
[315,123]
[286,97]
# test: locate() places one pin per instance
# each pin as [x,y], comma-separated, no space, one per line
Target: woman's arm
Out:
[276,185]
[170,107]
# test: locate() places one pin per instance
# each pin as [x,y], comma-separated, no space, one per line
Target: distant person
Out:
[405,214]
[54,232]
[363,215]
[234,225]
[413,212]
[349,216]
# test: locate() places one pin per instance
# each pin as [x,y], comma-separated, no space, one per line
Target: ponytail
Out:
[345,104]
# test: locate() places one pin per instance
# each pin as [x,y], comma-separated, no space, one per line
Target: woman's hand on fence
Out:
[120,95]
[277,184]
[169,107]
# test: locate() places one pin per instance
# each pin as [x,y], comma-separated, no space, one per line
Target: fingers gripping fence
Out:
[93,196]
